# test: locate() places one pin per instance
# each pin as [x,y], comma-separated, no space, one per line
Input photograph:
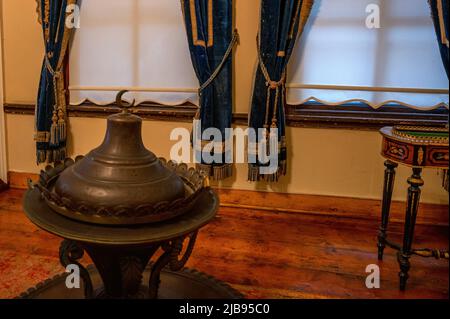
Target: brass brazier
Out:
[122,205]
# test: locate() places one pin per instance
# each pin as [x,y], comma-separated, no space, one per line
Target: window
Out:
[340,72]
[134,44]
[339,61]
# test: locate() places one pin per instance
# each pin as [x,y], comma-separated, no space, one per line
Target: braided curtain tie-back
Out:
[58,127]
[271,85]
[216,72]
[234,40]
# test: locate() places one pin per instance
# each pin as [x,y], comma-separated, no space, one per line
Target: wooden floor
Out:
[262,254]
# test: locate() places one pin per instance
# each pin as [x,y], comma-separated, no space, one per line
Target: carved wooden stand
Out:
[121,269]
[122,255]
[416,153]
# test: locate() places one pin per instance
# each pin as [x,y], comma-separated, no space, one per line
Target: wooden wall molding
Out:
[344,207]
[315,116]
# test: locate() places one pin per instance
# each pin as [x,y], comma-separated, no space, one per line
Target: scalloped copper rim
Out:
[195,183]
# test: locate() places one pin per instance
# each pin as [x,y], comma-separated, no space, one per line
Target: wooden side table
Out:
[418,148]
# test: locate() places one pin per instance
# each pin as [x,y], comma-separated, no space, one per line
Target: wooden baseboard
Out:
[20,180]
[429,214]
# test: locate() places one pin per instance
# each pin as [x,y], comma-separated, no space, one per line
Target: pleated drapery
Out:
[50,114]
[211,40]
[281,23]
[439,14]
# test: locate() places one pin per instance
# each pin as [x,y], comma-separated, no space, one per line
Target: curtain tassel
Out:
[41,156]
[271,178]
[61,125]
[222,172]
[216,172]
[62,130]
[54,138]
[59,154]
[273,135]
[56,155]
[282,170]
[49,156]
[62,154]
[206,169]
[255,176]
[253,173]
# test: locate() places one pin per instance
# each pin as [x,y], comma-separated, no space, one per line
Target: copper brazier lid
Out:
[121,182]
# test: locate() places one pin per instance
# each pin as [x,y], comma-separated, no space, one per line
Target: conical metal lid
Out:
[121,172]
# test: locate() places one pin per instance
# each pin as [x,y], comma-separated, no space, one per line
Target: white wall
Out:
[321,161]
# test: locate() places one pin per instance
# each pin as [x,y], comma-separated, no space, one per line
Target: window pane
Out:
[338,49]
[140,43]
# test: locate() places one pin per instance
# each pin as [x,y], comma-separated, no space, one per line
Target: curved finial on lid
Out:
[120,102]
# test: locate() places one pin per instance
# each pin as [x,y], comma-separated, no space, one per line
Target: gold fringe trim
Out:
[39,11]
[54,130]
[254,174]
[46,20]
[302,14]
[41,156]
[68,33]
[305,12]
[206,169]
[222,172]
[216,172]
[51,156]
[42,137]
[282,169]
[444,36]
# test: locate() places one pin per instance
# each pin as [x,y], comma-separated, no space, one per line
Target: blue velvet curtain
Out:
[439,14]
[211,39]
[51,102]
[282,22]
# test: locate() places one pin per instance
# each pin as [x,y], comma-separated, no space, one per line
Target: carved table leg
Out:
[154,281]
[389,177]
[69,253]
[170,257]
[121,268]
[412,206]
